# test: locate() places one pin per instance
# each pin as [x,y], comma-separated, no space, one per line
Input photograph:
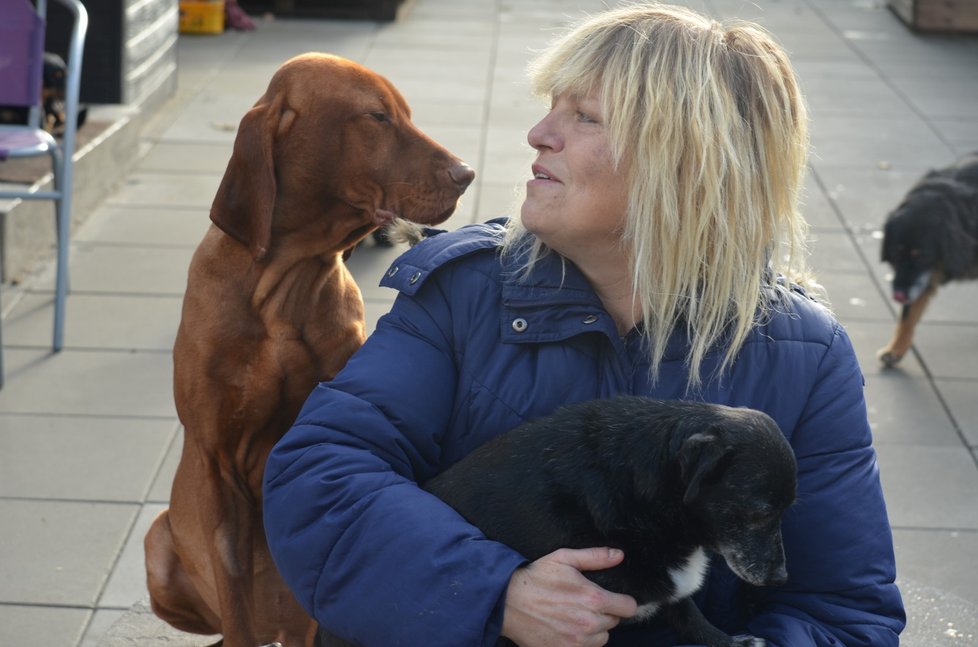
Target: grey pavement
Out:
[89,437]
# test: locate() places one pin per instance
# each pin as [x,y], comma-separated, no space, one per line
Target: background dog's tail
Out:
[405,231]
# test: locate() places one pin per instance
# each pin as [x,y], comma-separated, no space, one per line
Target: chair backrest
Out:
[21,54]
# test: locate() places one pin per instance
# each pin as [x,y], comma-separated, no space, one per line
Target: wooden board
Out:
[938,15]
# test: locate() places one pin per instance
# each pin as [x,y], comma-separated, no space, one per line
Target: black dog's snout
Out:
[778,575]
[462,174]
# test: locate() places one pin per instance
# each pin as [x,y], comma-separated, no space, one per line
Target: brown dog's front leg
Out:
[903,335]
[232,557]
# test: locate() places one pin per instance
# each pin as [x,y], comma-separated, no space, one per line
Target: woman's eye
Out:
[380,116]
[585,118]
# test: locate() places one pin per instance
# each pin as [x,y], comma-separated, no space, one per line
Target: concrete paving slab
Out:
[186,157]
[929,486]
[128,579]
[175,189]
[961,397]
[833,250]
[920,53]
[98,321]
[139,626]
[163,478]
[908,411]
[871,141]
[123,269]
[817,208]
[128,384]
[860,97]
[102,620]
[85,458]
[59,552]
[40,626]
[867,338]
[936,618]
[854,297]
[944,345]
[939,94]
[939,555]
[146,225]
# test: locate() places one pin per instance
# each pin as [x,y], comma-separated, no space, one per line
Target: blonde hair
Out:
[707,121]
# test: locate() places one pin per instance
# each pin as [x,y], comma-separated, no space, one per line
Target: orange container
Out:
[201,16]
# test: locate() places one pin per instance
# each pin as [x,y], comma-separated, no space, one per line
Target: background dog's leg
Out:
[903,335]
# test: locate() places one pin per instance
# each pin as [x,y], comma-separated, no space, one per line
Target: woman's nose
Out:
[543,135]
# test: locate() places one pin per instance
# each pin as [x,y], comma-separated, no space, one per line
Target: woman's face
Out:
[576,201]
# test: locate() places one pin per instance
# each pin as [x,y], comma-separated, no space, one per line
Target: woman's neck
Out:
[612,282]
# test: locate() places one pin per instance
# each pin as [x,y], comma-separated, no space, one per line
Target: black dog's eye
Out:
[381,117]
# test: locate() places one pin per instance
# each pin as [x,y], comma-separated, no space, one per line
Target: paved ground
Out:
[89,438]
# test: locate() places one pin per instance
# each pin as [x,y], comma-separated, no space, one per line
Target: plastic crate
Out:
[201,16]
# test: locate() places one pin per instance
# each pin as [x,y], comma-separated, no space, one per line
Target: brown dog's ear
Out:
[245,200]
[700,460]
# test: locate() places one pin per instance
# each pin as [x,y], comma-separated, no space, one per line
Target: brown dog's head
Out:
[330,147]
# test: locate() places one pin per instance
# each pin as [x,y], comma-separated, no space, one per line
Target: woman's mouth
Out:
[540,173]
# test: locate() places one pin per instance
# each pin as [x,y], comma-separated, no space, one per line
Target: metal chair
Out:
[21,67]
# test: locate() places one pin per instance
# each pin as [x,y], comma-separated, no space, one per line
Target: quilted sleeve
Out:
[368,553]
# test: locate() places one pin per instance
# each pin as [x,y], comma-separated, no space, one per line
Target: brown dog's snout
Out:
[462,175]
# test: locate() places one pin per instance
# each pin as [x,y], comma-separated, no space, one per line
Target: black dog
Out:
[665,481]
[929,239]
[52,98]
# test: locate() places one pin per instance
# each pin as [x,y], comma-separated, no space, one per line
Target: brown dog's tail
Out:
[405,231]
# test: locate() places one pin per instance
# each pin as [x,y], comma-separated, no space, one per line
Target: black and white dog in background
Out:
[931,238]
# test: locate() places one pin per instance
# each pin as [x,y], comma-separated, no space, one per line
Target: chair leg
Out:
[63,227]
[1,342]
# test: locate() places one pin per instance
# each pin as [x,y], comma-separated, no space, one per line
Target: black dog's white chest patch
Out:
[686,580]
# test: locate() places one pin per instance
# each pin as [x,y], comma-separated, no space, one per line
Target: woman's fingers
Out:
[550,602]
[598,559]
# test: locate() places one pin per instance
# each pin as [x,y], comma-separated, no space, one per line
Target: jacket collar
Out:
[551,303]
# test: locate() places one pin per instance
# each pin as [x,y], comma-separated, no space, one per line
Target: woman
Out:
[658,253]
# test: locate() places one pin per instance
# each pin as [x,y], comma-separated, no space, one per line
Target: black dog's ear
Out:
[700,458]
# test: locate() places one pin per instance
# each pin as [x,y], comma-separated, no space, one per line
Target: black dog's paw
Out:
[888,358]
[747,641]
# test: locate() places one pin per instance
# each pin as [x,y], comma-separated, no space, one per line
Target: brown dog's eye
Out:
[381,117]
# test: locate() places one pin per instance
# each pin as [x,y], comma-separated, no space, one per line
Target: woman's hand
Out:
[550,603]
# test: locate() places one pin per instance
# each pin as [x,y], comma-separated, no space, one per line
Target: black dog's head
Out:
[740,477]
[912,245]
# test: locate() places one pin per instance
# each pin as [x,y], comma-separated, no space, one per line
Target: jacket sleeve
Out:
[368,553]
[837,536]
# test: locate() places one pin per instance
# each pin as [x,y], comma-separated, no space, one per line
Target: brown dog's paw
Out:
[888,357]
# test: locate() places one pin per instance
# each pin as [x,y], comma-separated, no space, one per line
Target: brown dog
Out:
[326,156]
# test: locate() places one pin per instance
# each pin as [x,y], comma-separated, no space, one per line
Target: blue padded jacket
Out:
[469,351]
